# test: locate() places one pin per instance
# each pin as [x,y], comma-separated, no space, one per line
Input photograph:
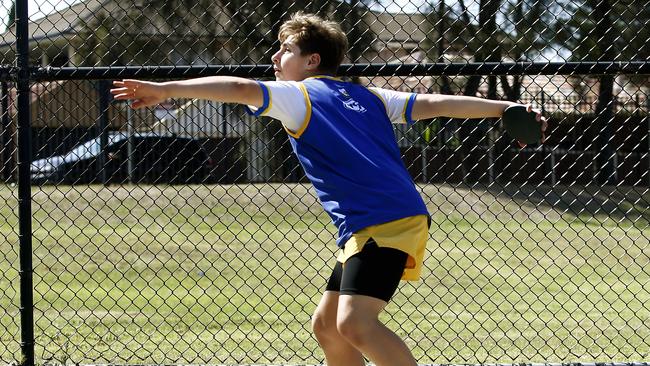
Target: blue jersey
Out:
[348,150]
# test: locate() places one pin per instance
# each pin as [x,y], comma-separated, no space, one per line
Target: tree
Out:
[255,25]
[436,43]
[528,31]
[98,47]
[512,29]
[502,29]
[605,106]
[352,16]
[12,15]
[255,28]
[602,30]
[156,32]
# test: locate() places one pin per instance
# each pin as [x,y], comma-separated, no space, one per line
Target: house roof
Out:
[389,27]
[398,27]
[58,23]
[69,22]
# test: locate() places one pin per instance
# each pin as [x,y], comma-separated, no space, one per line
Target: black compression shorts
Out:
[373,272]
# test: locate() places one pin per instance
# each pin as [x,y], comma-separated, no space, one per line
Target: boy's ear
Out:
[314,61]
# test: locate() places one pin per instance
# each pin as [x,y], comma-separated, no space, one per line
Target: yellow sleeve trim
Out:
[268,107]
[406,103]
[305,122]
[380,98]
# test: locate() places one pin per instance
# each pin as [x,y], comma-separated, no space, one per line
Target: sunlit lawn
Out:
[231,274]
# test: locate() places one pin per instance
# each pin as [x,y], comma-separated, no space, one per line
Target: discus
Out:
[522,125]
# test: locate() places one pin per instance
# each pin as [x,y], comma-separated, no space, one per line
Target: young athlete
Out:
[342,135]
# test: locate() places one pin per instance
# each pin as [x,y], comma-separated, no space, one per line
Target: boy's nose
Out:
[274,57]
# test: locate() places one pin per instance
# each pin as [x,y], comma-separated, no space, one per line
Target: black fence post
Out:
[605,153]
[24,186]
[6,140]
[647,117]
[549,159]
[102,128]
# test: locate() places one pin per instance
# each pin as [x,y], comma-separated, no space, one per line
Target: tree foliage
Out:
[11,17]
[500,30]
[620,34]
[257,23]
[165,32]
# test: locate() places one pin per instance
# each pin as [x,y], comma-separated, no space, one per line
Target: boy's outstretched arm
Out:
[225,89]
[456,106]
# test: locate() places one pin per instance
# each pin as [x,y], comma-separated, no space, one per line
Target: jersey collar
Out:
[324,77]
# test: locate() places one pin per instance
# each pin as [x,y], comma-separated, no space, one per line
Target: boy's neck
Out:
[318,74]
[310,74]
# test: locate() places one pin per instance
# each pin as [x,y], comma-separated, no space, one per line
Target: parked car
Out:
[155,159]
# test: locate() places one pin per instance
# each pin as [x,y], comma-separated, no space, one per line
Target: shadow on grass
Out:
[616,202]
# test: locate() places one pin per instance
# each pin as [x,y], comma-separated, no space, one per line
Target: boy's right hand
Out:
[141,93]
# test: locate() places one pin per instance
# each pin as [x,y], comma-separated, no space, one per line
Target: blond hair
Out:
[313,34]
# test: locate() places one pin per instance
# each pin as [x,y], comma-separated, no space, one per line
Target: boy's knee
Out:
[356,330]
[324,326]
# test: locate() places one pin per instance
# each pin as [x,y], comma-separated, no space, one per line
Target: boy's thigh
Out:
[375,272]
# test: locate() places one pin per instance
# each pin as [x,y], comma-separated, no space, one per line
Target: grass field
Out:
[231,274]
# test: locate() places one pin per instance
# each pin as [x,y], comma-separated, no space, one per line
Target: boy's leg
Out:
[358,322]
[338,351]
[370,279]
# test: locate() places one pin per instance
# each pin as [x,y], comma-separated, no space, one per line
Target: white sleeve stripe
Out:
[305,122]
[382,100]
[284,103]
[396,103]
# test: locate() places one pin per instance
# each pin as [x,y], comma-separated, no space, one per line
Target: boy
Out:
[342,135]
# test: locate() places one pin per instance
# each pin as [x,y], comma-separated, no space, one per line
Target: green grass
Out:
[231,274]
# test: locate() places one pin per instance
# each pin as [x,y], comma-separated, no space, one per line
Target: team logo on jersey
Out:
[350,103]
[354,105]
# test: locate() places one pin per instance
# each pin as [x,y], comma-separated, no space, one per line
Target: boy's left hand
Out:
[540,118]
[141,93]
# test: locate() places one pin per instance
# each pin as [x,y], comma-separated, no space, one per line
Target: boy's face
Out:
[290,65]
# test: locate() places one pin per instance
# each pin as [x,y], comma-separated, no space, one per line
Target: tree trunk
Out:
[445,88]
[487,49]
[446,124]
[606,171]
[513,92]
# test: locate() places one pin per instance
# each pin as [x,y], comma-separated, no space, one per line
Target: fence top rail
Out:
[423,69]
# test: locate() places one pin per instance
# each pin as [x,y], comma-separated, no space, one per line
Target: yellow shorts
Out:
[409,235]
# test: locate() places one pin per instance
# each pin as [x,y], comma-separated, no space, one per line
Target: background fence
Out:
[188,233]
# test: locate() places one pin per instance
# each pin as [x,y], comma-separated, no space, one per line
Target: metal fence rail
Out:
[189,234]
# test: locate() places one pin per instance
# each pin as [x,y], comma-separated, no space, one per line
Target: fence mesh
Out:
[188,233]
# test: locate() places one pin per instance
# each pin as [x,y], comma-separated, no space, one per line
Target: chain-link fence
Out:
[188,233]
